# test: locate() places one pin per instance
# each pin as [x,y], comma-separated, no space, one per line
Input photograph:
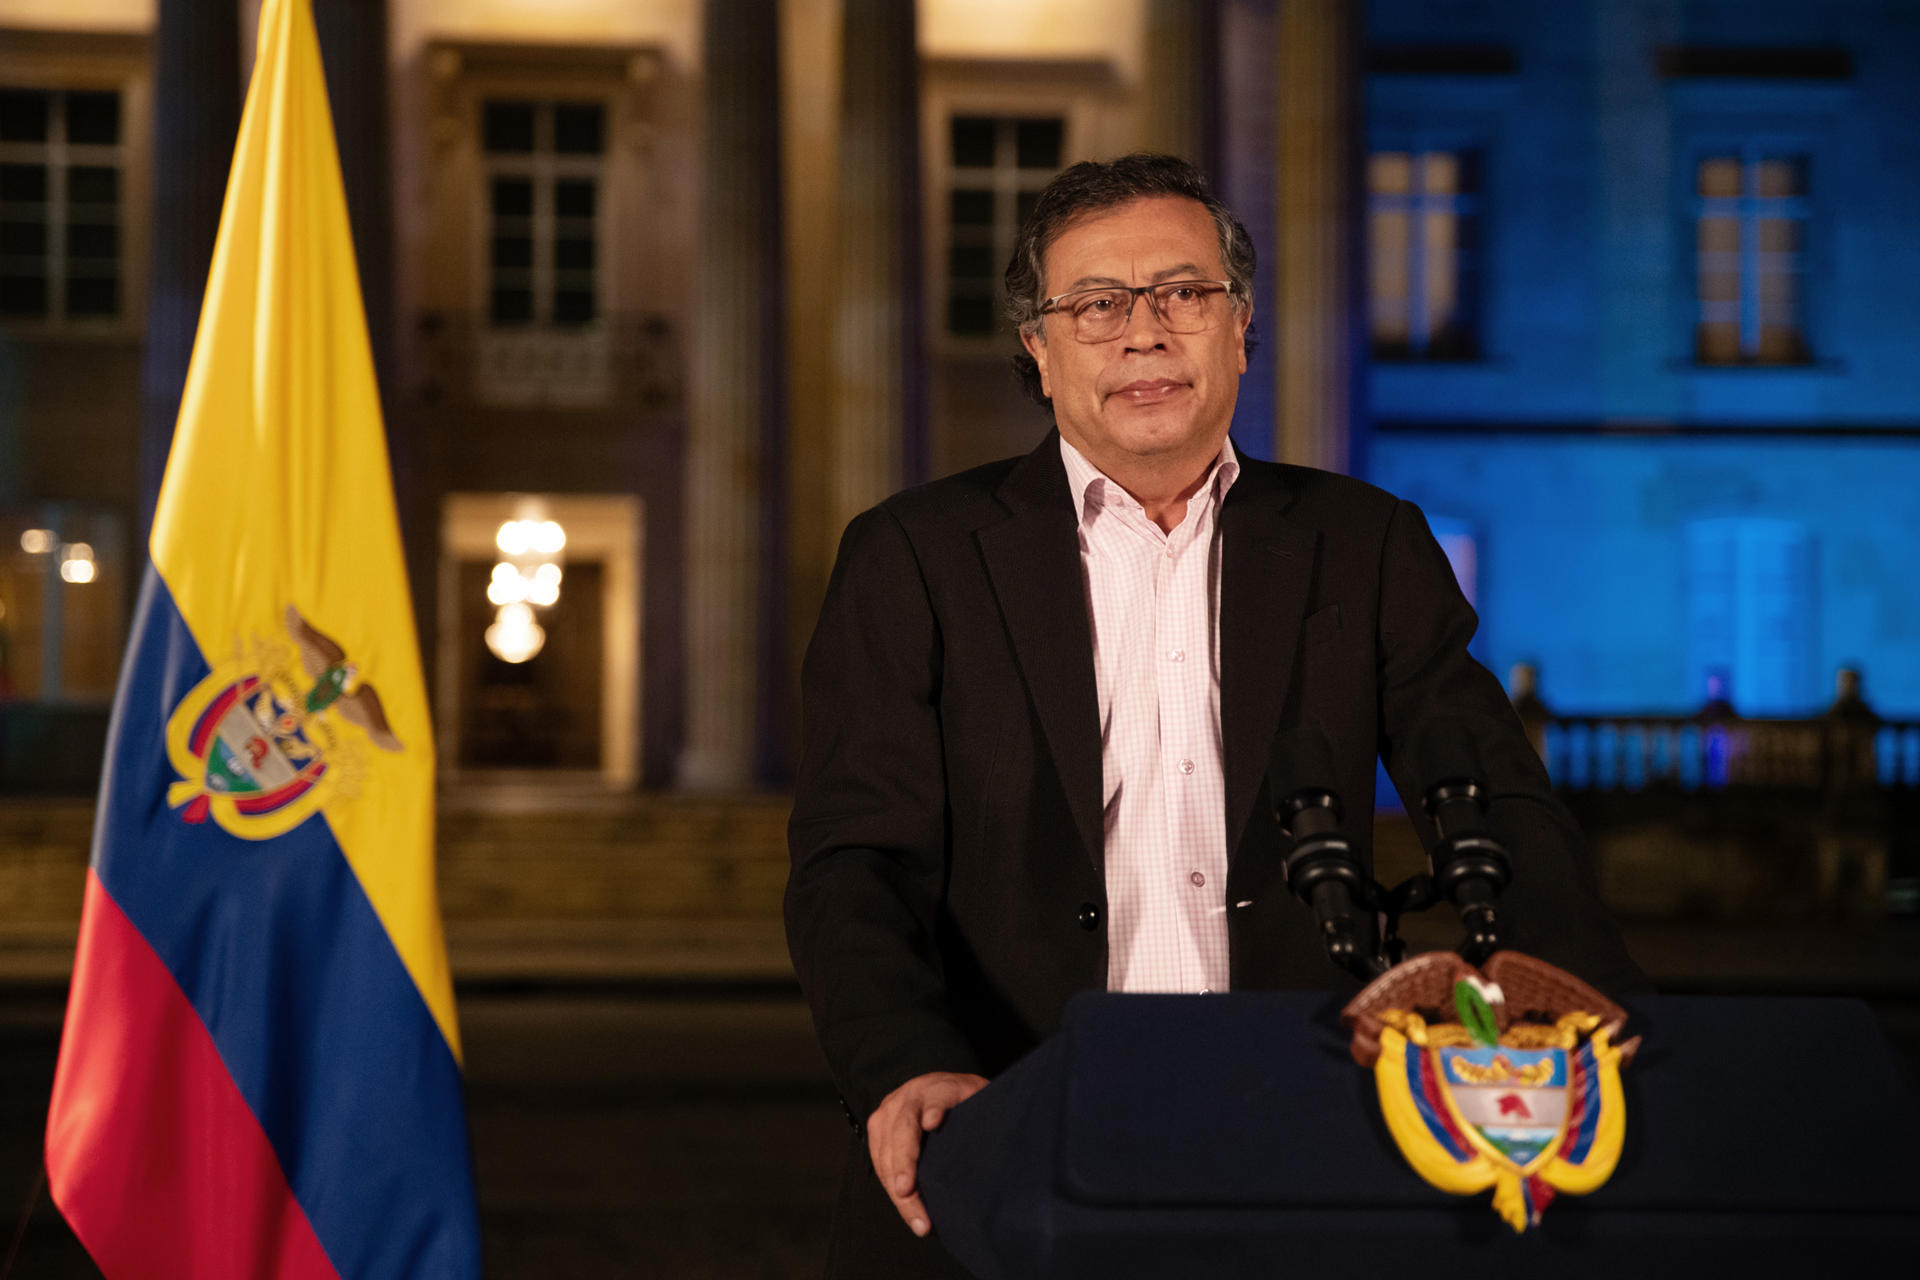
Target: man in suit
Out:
[1041,696]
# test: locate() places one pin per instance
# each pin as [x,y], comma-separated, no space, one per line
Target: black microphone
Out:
[1321,869]
[1469,867]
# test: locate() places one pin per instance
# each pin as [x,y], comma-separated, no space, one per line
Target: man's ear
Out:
[1245,320]
[1036,345]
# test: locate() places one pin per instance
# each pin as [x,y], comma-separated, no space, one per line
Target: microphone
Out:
[1469,867]
[1320,869]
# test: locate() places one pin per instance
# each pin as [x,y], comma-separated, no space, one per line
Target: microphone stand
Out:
[1469,868]
[1321,870]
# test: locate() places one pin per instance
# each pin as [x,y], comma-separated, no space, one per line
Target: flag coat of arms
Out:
[1521,1094]
[260,1069]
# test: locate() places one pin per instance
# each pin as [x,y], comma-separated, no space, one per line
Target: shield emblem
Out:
[1514,1101]
[1527,1106]
[244,751]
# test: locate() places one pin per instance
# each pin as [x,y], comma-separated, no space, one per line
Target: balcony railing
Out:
[1717,815]
[1848,748]
[625,360]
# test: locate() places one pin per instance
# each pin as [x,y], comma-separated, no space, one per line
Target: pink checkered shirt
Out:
[1153,600]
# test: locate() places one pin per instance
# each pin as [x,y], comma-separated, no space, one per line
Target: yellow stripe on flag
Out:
[277,490]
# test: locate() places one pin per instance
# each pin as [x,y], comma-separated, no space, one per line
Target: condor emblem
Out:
[257,745]
[1509,1081]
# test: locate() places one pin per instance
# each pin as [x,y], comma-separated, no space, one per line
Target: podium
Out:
[1233,1136]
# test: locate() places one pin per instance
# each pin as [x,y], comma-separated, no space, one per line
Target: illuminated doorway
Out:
[538,660]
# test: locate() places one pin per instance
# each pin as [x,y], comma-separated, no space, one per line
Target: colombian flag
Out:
[260,1071]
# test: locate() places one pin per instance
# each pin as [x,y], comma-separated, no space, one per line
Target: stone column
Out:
[1320,316]
[196,116]
[879,380]
[735,491]
[1182,90]
[1249,155]
[809,165]
[353,51]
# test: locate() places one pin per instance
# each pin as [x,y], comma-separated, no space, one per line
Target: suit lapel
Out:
[1266,574]
[1033,560]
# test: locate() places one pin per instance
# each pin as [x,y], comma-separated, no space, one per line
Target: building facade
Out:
[1620,292]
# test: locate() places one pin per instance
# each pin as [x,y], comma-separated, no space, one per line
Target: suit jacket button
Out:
[1089,917]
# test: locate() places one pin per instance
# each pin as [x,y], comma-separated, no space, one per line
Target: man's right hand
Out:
[894,1129]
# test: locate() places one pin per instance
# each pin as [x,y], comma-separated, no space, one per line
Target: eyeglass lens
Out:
[1183,307]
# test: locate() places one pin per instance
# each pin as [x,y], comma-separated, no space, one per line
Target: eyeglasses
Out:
[1101,315]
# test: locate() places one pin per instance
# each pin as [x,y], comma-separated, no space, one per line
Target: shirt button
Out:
[1185,766]
[1196,879]
[1206,991]
[1178,655]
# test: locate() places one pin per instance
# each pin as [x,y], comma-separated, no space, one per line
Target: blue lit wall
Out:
[1583,554]
[1601,554]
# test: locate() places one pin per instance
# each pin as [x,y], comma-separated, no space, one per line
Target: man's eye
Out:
[1185,293]
[1098,306]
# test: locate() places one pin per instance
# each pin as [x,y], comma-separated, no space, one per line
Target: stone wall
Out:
[533,885]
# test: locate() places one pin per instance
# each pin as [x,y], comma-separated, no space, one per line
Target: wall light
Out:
[514,635]
[545,587]
[76,562]
[528,570]
[507,587]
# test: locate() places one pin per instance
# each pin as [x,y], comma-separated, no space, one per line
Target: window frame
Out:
[97,62]
[1758,118]
[1418,204]
[1084,94]
[640,267]
[1747,210]
[1007,182]
[1466,113]
[545,167]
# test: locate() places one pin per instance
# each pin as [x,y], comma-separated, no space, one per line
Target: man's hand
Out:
[894,1129]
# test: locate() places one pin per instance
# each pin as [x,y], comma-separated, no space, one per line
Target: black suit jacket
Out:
[947,894]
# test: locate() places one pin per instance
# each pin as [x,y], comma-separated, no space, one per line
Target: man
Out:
[1041,695]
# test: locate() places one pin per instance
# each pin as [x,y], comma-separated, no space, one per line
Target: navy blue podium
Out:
[1229,1136]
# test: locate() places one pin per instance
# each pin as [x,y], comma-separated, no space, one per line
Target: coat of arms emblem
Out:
[257,744]
[1509,1080]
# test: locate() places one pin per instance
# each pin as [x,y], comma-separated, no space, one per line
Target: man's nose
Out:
[1143,330]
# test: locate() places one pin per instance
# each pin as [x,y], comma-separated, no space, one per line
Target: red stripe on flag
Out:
[152,1154]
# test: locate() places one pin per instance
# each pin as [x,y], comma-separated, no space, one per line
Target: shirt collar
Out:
[1093,488]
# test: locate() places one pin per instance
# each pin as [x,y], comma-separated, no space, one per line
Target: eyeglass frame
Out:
[1051,306]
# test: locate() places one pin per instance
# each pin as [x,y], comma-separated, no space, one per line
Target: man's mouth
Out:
[1149,390]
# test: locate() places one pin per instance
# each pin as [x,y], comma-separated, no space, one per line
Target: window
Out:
[60,205]
[997,166]
[1423,224]
[545,178]
[62,583]
[1750,215]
